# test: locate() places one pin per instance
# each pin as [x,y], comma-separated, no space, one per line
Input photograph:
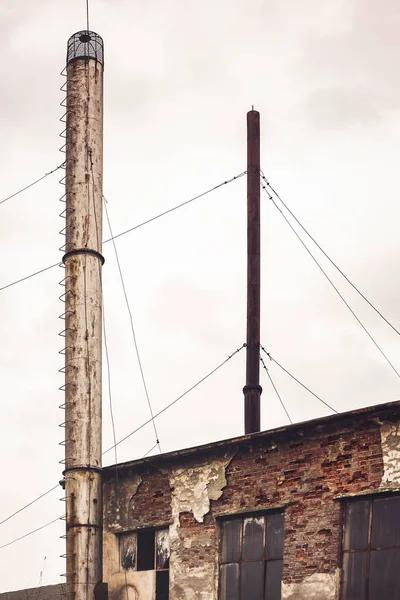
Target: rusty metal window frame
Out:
[265,560]
[346,502]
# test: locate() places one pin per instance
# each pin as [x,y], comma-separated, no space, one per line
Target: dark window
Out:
[145,543]
[371,549]
[162,585]
[252,558]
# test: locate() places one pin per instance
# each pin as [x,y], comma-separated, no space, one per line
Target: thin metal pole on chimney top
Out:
[252,390]
[83,261]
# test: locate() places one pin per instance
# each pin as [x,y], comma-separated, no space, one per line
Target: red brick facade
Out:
[302,468]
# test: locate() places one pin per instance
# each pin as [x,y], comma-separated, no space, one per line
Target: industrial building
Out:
[305,512]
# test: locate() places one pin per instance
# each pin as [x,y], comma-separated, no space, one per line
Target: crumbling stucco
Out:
[319,586]
[193,488]
[390,440]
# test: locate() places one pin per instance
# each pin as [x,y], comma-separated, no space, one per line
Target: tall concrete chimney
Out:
[83,363]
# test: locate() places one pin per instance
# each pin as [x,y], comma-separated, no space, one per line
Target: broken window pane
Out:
[275,536]
[356,526]
[354,576]
[162,549]
[231,540]
[384,580]
[251,585]
[162,585]
[229,582]
[273,579]
[128,551]
[386,522]
[253,535]
[145,549]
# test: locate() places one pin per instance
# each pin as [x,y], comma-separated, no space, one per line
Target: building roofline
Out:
[187,452]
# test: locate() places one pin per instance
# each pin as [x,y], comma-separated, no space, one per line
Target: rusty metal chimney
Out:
[252,390]
[83,363]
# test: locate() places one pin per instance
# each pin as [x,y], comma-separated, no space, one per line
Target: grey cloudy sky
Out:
[179,79]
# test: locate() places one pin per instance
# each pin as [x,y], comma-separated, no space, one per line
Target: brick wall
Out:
[301,468]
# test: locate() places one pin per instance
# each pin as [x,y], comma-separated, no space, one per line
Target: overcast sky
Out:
[179,79]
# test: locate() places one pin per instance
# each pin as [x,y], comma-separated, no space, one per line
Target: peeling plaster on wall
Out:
[390,439]
[194,488]
[319,586]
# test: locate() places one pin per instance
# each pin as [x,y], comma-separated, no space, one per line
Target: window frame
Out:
[135,532]
[347,501]
[242,516]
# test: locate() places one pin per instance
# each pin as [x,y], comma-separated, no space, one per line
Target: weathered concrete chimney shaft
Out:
[83,362]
